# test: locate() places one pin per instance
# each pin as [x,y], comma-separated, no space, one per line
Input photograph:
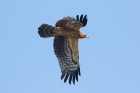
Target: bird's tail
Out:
[46,30]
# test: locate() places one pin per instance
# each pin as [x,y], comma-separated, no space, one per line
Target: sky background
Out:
[109,59]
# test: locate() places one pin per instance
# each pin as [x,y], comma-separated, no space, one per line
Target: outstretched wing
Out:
[75,24]
[66,50]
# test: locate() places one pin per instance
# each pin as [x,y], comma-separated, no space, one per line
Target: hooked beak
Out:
[87,36]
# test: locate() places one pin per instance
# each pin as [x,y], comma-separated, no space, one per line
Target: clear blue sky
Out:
[109,59]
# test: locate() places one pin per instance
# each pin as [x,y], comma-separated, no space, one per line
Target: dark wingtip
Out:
[79,71]
[77,17]
[83,19]
[76,74]
[62,76]
[72,77]
[66,77]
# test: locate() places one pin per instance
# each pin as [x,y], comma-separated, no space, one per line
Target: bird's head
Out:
[82,35]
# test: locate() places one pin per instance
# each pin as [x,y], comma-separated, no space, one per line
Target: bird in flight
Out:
[66,33]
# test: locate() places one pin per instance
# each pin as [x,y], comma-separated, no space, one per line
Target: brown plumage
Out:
[66,33]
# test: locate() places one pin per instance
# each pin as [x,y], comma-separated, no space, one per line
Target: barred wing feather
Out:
[66,50]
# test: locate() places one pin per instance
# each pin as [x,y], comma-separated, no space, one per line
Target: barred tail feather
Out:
[46,30]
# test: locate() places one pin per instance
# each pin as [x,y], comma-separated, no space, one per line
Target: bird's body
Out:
[66,33]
